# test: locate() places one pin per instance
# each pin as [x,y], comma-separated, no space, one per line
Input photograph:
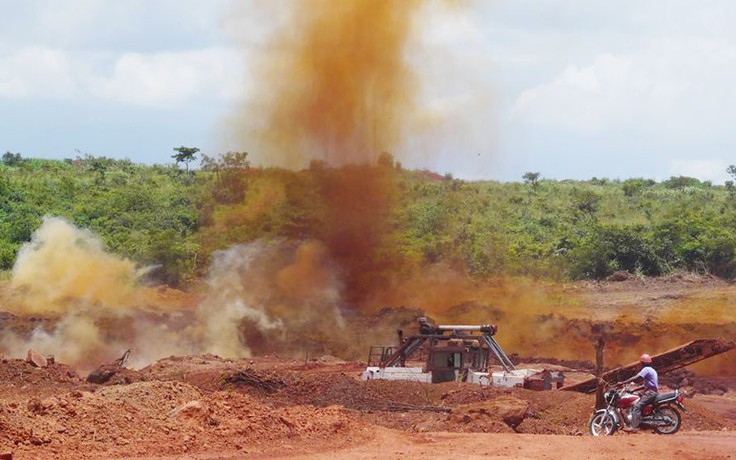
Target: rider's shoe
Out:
[629,429]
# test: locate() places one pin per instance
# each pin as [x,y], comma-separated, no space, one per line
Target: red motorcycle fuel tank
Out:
[627,401]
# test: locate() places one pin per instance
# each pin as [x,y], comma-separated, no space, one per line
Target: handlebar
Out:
[628,387]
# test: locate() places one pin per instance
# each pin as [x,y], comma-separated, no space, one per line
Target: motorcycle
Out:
[662,416]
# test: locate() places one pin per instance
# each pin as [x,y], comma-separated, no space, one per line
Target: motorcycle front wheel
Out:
[668,420]
[602,424]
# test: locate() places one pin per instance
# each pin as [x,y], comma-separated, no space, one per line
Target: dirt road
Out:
[389,444]
[392,444]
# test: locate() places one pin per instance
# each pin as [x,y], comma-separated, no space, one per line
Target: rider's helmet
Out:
[645,359]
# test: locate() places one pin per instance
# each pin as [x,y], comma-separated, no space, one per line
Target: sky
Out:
[572,89]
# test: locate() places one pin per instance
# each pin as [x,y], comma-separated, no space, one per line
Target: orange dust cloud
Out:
[359,233]
[341,82]
[267,297]
[308,276]
[332,83]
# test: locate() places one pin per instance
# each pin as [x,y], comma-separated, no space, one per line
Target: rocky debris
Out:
[194,411]
[101,375]
[112,374]
[259,380]
[115,373]
[508,409]
[691,383]
[36,359]
[328,359]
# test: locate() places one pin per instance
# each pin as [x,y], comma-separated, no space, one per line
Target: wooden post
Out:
[599,401]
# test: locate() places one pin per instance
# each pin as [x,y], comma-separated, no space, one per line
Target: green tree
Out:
[681,182]
[731,170]
[633,187]
[12,159]
[231,170]
[531,178]
[185,155]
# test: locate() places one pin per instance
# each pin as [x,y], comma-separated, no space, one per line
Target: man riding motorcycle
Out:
[651,388]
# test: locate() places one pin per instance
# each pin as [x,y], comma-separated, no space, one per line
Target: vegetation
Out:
[173,219]
[145,213]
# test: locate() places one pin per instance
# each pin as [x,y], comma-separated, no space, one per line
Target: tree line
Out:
[173,218]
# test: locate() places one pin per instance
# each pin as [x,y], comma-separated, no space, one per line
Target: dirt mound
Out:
[482,416]
[457,407]
[202,371]
[700,418]
[19,372]
[548,412]
[155,418]
[342,389]
[111,374]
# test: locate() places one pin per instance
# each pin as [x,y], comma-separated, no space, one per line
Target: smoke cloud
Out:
[62,262]
[267,296]
[288,298]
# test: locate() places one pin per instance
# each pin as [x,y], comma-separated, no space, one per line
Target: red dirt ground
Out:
[206,407]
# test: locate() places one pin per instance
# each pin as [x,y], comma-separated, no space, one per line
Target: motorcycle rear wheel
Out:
[674,416]
[602,424]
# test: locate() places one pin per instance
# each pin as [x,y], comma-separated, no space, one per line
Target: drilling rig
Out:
[445,353]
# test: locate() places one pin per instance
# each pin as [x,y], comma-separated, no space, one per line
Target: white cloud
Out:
[580,98]
[112,25]
[154,79]
[166,79]
[668,88]
[36,72]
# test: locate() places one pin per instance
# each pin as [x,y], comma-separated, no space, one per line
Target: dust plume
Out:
[62,262]
[267,297]
[332,83]
[74,339]
[276,296]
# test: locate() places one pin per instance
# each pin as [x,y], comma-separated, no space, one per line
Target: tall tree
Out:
[185,155]
[531,178]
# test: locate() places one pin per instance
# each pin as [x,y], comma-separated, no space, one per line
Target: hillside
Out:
[395,221]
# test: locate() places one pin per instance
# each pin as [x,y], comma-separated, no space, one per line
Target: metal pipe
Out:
[487,328]
[459,328]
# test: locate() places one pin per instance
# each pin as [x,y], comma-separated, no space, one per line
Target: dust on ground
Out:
[205,406]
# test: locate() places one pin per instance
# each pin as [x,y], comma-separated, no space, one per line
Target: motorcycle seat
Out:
[665,397]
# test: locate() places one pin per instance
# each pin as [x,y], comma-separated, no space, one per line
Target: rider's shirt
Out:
[651,382]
